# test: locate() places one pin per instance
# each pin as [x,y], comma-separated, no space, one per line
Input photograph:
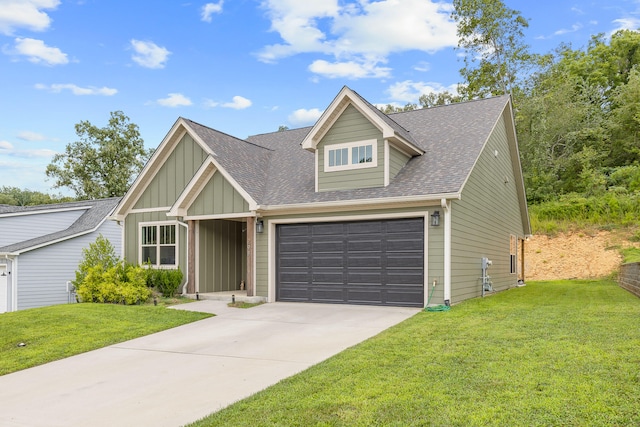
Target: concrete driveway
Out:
[178,376]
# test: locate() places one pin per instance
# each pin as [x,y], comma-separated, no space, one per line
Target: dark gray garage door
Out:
[364,262]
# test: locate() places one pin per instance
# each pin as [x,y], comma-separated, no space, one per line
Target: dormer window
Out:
[353,155]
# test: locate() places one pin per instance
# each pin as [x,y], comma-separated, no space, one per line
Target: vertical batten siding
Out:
[222,255]
[351,126]
[397,160]
[218,197]
[173,176]
[43,273]
[15,229]
[435,261]
[484,219]
[262,261]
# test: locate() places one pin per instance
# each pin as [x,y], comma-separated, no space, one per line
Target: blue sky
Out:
[243,67]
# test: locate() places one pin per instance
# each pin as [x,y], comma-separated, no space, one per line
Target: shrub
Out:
[122,283]
[165,281]
[99,253]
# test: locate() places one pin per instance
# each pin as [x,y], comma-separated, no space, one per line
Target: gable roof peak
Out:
[390,128]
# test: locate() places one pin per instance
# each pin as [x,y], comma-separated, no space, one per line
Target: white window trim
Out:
[177,244]
[349,146]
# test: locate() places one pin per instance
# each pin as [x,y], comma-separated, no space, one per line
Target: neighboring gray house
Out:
[361,208]
[41,246]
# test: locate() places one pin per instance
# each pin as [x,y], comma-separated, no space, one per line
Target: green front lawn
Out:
[563,353]
[56,332]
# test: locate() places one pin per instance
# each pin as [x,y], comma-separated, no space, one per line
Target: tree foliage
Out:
[15,196]
[492,37]
[578,119]
[103,162]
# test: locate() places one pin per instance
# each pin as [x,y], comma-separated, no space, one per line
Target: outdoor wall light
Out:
[435,219]
[259,226]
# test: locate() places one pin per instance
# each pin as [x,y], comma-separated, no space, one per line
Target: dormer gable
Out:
[357,146]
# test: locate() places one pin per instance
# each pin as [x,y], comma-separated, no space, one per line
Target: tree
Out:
[492,36]
[104,162]
[441,98]
[17,197]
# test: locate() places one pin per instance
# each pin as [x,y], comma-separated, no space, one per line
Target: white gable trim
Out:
[207,170]
[160,156]
[193,188]
[345,98]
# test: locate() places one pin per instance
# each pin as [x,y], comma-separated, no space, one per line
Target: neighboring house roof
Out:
[95,214]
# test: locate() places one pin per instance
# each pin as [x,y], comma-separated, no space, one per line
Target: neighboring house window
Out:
[354,155]
[513,250]
[158,244]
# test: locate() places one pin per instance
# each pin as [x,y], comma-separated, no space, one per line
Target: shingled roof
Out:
[95,214]
[274,169]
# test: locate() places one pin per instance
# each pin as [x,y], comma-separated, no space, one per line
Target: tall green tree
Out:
[492,37]
[18,197]
[103,162]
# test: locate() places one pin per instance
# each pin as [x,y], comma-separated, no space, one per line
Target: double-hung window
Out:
[158,244]
[353,155]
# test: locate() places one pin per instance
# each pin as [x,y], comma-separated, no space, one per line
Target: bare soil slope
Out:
[573,255]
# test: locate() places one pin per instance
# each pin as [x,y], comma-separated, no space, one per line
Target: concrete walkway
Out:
[178,376]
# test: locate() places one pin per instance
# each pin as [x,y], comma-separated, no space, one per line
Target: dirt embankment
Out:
[573,255]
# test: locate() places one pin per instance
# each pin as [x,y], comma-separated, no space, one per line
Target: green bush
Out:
[122,283]
[101,252]
[166,282]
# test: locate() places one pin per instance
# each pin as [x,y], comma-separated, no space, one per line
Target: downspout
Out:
[186,228]
[446,207]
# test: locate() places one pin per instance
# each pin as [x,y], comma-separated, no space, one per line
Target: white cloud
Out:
[211,8]
[25,14]
[410,91]
[175,100]
[573,29]
[422,66]
[149,54]
[304,117]
[238,103]
[357,34]
[5,145]
[38,52]
[628,23]
[77,90]
[31,136]
[348,70]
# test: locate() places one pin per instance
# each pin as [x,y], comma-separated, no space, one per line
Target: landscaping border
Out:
[629,277]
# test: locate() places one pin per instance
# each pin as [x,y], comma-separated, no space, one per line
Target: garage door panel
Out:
[366,262]
[332,229]
[328,247]
[365,246]
[368,278]
[328,262]
[405,260]
[320,277]
[404,245]
[359,261]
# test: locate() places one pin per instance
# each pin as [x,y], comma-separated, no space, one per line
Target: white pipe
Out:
[186,282]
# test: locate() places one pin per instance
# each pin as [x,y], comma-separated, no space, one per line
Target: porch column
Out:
[251,234]
[191,257]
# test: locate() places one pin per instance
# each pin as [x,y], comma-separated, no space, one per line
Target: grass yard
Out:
[563,353]
[56,332]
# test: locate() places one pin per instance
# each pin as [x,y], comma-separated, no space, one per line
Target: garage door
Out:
[364,262]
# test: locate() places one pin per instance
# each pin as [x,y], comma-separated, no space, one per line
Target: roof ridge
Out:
[469,101]
[225,134]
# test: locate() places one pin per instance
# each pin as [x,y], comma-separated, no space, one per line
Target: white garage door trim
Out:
[271,241]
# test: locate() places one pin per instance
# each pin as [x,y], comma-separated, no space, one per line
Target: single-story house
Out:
[41,247]
[360,208]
